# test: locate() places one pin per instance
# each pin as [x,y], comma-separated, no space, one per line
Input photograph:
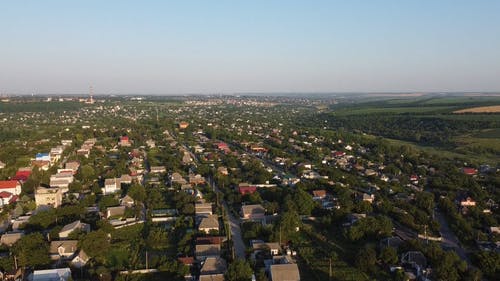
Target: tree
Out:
[87,173]
[425,200]
[366,258]
[261,275]
[75,186]
[489,262]
[137,192]
[96,244]
[32,250]
[389,255]
[304,202]
[239,270]
[287,226]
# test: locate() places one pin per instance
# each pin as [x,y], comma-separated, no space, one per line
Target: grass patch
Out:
[488,134]
[395,110]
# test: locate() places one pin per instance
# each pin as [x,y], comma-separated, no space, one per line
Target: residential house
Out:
[41,165]
[213,269]
[58,274]
[494,229]
[257,148]
[186,158]
[10,238]
[85,152]
[209,223]
[253,212]
[223,171]
[196,179]
[72,165]
[469,171]
[22,174]
[353,218]
[112,212]
[161,215]
[177,178]
[284,272]
[392,241]
[63,249]
[62,180]
[111,186]
[188,261]
[7,198]
[414,178]
[125,179]
[42,157]
[370,172]
[183,125]
[66,142]
[208,240]
[367,197]
[203,209]
[18,223]
[151,143]
[207,250]
[124,141]
[157,169]
[222,146]
[56,153]
[127,201]
[415,259]
[80,260]
[467,202]
[271,247]
[11,186]
[74,226]
[245,188]
[319,194]
[2,165]
[48,197]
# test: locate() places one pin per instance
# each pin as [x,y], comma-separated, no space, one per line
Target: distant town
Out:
[249,187]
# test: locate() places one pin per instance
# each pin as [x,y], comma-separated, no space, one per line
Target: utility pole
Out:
[425,233]
[330,269]
[147,260]
[280,234]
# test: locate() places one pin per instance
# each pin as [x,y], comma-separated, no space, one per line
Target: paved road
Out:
[449,238]
[234,223]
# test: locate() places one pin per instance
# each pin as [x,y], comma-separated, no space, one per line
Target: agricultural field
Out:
[428,123]
[481,109]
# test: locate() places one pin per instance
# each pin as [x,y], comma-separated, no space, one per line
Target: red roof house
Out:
[469,171]
[22,175]
[319,194]
[11,186]
[245,188]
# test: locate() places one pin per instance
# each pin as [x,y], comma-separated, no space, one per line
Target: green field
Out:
[395,110]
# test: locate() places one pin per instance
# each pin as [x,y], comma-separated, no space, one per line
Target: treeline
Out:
[16,107]
[422,130]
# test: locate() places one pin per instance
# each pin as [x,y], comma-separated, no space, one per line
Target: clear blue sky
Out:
[177,47]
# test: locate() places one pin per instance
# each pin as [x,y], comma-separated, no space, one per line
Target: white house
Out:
[111,186]
[42,157]
[5,198]
[59,274]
